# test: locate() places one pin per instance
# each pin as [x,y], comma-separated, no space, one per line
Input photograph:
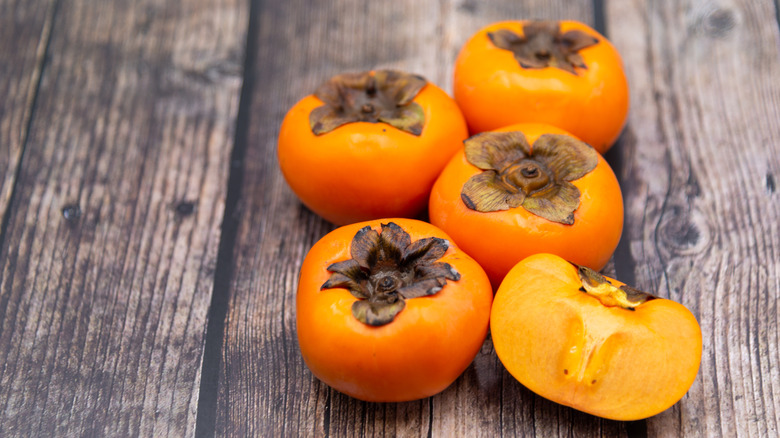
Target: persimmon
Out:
[590,342]
[369,145]
[390,310]
[562,73]
[525,189]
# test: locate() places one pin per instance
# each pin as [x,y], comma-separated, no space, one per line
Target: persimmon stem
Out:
[598,286]
[516,175]
[544,45]
[384,96]
[386,269]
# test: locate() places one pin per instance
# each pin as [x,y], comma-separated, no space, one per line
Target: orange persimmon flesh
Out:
[565,345]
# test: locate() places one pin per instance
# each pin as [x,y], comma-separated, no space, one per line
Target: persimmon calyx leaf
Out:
[516,175]
[384,96]
[387,268]
[624,296]
[543,45]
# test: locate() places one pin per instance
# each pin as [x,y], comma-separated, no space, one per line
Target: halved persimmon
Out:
[592,343]
[390,310]
[525,189]
[562,73]
[369,145]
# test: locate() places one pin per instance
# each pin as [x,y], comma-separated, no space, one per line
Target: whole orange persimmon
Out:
[558,72]
[592,343]
[525,189]
[369,145]
[390,310]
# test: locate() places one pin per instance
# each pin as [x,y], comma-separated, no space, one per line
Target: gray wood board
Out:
[700,159]
[24,31]
[110,251]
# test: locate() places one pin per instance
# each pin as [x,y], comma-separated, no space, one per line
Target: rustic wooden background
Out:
[149,246]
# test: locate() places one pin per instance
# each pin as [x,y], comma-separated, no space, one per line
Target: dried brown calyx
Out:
[388,268]
[514,176]
[610,295]
[543,45]
[382,96]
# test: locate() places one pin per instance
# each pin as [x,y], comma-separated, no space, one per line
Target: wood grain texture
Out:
[701,159]
[24,31]
[109,258]
[264,387]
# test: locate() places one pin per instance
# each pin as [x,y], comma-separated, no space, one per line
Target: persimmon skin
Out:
[500,239]
[494,91]
[568,347]
[362,171]
[428,345]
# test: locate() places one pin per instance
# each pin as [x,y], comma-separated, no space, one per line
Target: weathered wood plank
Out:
[264,387]
[24,31]
[109,258]
[700,162]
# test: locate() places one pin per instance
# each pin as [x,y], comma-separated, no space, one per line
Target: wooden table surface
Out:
[149,246]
